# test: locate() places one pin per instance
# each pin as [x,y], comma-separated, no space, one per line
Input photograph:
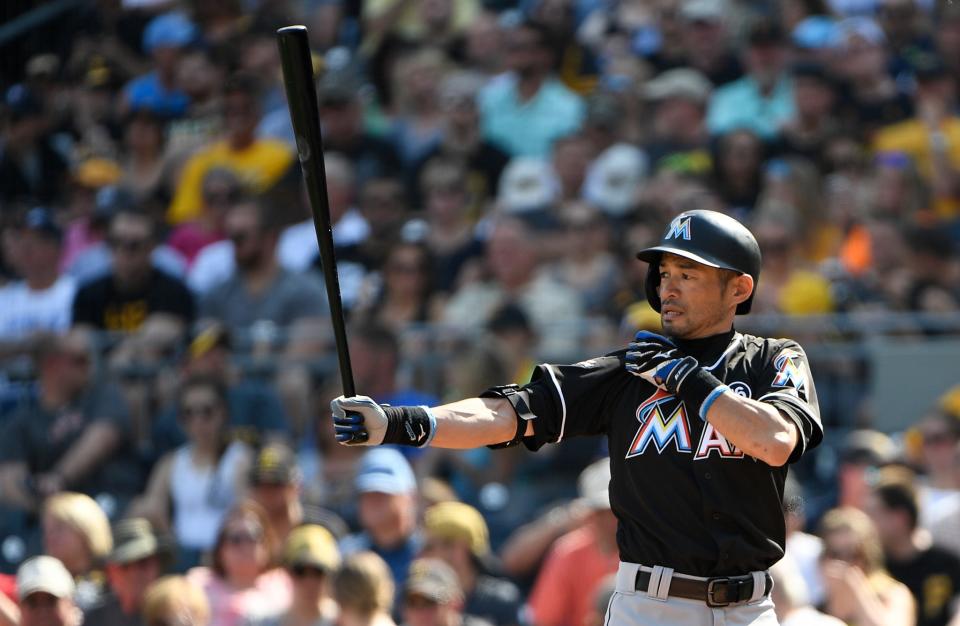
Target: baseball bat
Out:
[305,114]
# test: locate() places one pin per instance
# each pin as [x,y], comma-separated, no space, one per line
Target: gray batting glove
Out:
[358,421]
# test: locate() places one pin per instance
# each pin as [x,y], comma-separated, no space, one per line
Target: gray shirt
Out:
[288,298]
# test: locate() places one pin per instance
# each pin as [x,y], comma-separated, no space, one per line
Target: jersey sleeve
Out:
[787,384]
[572,400]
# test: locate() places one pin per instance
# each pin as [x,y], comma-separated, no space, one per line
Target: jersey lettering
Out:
[657,427]
[789,373]
[679,229]
[712,441]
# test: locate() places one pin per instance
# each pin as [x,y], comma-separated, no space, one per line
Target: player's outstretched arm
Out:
[469,423]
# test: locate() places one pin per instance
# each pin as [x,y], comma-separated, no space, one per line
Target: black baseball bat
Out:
[305,114]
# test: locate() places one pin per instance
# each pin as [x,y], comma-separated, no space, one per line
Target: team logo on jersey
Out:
[679,229]
[742,389]
[790,372]
[661,427]
[712,441]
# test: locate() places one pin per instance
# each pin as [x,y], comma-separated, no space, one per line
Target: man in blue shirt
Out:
[526,109]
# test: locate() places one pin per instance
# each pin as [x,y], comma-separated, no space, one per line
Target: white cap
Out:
[681,82]
[527,184]
[614,177]
[594,485]
[702,10]
[45,574]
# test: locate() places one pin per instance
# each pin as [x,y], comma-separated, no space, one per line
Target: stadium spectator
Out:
[164,38]
[364,590]
[939,435]
[433,596]
[943,517]
[74,434]
[275,482]
[931,573]
[242,584]
[417,120]
[256,412]
[43,300]
[803,549]
[220,189]
[863,452]
[457,534]
[134,291]
[462,140]
[193,488]
[259,162]
[706,39]
[525,110]
[46,593]
[76,532]
[513,259]
[131,567]
[387,512]
[761,101]
[677,130]
[403,295]
[31,166]
[382,201]
[146,171]
[311,558]
[791,601]
[859,590]
[174,600]
[578,561]
[814,97]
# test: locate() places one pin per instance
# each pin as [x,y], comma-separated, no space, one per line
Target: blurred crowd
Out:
[166,356]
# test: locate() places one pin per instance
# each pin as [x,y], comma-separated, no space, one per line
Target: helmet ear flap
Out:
[651,284]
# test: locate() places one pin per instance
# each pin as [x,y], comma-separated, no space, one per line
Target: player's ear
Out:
[741,287]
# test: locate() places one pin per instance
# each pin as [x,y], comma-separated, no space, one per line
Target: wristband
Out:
[410,425]
[699,390]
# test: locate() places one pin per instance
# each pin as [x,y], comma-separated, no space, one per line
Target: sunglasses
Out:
[239,238]
[206,411]
[127,244]
[242,538]
[419,602]
[303,571]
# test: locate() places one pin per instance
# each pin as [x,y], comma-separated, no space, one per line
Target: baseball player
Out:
[701,423]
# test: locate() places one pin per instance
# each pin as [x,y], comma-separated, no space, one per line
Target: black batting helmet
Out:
[706,237]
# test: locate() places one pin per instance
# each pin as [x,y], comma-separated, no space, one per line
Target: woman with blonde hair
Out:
[364,589]
[175,601]
[859,590]
[418,119]
[77,532]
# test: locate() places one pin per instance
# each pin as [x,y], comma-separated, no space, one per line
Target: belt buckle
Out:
[711,589]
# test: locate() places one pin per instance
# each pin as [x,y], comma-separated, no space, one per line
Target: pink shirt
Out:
[77,239]
[270,595]
[188,239]
[564,590]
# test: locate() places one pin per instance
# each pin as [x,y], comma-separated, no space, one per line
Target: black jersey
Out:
[684,496]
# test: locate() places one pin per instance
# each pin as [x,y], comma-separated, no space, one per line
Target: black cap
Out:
[810,69]
[708,237]
[765,32]
[928,68]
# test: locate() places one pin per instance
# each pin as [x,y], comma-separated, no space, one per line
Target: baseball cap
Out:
[311,545]
[338,86]
[275,465]
[603,110]
[458,521]
[433,579]
[97,172]
[170,30]
[110,200]
[702,10]
[863,28]
[765,32]
[385,470]
[613,178]
[868,447]
[929,67]
[527,184]
[594,485]
[816,32]
[133,540]
[680,82]
[44,574]
[41,221]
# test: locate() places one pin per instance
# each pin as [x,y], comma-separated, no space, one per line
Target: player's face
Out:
[695,300]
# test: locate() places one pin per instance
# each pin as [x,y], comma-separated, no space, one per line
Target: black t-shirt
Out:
[933,577]
[684,496]
[39,438]
[496,600]
[100,304]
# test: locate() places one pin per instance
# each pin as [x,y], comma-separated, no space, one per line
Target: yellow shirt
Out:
[912,137]
[259,165]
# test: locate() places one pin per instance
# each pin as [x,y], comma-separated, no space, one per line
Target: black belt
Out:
[716,592]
